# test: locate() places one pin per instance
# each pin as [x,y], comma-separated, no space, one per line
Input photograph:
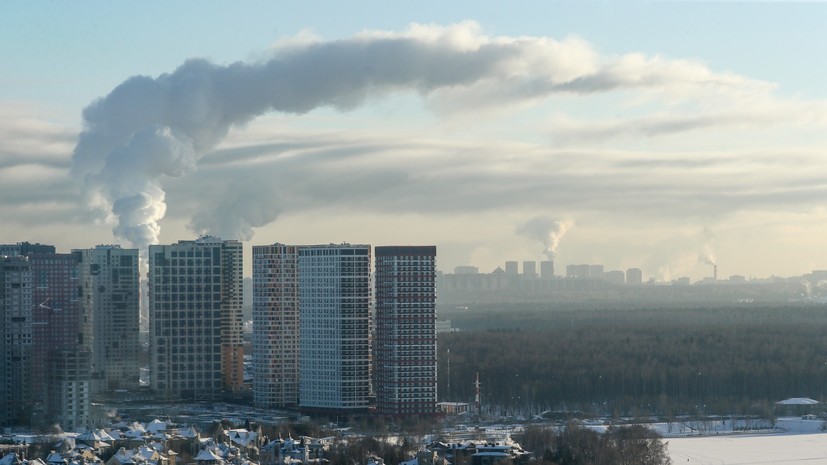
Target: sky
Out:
[658,135]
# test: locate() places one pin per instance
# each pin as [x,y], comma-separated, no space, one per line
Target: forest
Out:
[666,362]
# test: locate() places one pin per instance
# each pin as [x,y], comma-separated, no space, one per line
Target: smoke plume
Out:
[152,128]
[707,256]
[546,230]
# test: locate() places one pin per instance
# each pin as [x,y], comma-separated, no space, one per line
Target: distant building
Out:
[335,316]
[529,269]
[511,268]
[443,326]
[405,344]
[195,298]
[547,269]
[634,276]
[615,277]
[25,248]
[466,269]
[577,271]
[596,271]
[275,325]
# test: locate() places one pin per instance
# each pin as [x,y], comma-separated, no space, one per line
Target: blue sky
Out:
[710,142]
[93,45]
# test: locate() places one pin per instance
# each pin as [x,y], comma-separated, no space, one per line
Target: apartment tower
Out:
[16,341]
[275,326]
[405,346]
[334,328]
[195,321]
[109,278]
[62,336]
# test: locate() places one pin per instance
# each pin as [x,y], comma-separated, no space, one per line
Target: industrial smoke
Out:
[149,129]
[546,230]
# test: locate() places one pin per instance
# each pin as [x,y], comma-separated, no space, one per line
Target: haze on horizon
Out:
[495,138]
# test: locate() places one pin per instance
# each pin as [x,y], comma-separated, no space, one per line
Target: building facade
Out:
[195,320]
[16,341]
[405,347]
[62,334]
[334,321]
[275,326]
[110,281]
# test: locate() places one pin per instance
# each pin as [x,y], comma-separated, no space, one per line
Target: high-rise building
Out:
[62,339]
[529,269]
[109,279]
[25,248]
[577,271]
[596,271]
[405,339]
[547,269]
[16,341]
[334,327]
[275,325]
[511,268]
[634,276]
[195,321]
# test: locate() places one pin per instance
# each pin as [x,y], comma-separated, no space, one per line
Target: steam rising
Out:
[148,129]
[707,256]
[546,230]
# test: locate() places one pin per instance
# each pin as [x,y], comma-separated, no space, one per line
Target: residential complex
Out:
[195,323]
[70,325]
[405,344]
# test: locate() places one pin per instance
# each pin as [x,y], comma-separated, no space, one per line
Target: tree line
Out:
[648,361]
[576,445]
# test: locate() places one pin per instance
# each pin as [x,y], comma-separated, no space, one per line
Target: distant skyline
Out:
[655,135]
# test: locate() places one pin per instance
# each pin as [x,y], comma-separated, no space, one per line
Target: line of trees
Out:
[575,445]
[640,361]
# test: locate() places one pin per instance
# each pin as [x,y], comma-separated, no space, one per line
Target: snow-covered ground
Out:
[796,441]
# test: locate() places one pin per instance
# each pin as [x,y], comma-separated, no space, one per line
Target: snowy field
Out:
[809,449]
[798,441]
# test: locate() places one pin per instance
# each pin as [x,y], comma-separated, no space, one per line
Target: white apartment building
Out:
[275,326]
[195,321]
[334,328]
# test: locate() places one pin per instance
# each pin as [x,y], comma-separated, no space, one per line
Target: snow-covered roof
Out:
[89,436]
[124,456]
[797,401]
[54,457]
[207,455]
[242,437]
[156,425]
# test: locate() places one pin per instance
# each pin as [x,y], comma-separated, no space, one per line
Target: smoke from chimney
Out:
[151,128]
[148,129]
[546,230]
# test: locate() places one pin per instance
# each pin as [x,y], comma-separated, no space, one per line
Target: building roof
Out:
[798,401]
[207,455]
